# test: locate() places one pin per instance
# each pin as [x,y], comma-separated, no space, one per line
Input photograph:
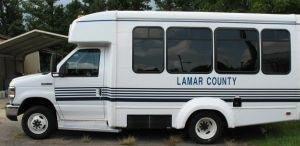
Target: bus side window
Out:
[148,50]
[237,50]
[189,50]
[276,51]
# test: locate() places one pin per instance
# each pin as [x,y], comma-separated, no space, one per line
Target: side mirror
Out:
[62,71]
[55,74]
[53,62]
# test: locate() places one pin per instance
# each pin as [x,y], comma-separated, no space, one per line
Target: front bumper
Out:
[12,112]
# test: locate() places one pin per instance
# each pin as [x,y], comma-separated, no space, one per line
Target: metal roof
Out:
[30,42]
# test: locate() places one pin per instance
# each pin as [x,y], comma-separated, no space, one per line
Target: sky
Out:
[64,2]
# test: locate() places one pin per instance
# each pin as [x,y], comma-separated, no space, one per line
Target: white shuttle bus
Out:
[136,69]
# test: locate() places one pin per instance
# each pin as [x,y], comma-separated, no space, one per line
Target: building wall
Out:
[32,63]
[2,73]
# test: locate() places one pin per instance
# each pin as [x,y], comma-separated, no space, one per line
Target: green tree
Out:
[128,4]
[92,6]
[11,18]
[73,10]
[276,6]
[45,15]
[245,6]
[175,5]
[167,5]
[204,5]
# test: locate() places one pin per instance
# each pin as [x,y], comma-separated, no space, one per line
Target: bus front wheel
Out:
[39,122]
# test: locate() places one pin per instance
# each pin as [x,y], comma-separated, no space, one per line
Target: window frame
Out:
[212,47]
[239,72]
[132,53]
[99,63]
[290,51]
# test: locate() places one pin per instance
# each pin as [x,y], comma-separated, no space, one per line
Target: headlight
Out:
[11,92]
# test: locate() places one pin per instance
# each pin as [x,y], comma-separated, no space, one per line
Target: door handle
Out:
[100,92]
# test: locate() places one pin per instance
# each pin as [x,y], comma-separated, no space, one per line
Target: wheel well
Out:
[34,101]
[205,110]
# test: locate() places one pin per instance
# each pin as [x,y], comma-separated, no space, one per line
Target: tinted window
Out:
[148,50]
[236,51]
[189,50]
[83,63]
[275,52]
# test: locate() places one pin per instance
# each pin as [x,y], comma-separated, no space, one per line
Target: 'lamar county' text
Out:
[213,81]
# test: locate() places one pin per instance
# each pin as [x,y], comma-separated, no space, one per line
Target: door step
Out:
[98,126]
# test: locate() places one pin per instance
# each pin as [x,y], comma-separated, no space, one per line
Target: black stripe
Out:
[187,99]
[93,92]
[144,99]
[184,95]
[83,95]
[169,99]
[199,91]
[271,100]
[76,87]
[70,90]
[121,94]
[198,96]
[168,89]
[77,98]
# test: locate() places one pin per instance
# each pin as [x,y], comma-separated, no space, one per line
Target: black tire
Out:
[193,123]
[50,116]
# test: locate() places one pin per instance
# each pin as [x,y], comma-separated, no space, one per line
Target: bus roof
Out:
[177,16]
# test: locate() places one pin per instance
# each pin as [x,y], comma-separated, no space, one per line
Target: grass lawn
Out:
[279,134]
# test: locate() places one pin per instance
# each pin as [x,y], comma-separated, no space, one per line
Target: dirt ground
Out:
[11,134]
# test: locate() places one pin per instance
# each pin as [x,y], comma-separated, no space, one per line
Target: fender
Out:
[24,93]
[206,103]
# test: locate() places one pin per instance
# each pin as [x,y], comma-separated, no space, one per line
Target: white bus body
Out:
[121,97]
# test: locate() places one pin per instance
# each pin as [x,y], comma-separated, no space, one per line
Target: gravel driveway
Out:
[11,134]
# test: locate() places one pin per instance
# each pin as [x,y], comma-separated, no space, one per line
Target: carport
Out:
[14,50]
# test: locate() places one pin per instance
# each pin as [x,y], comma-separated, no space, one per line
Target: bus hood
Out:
[33,80]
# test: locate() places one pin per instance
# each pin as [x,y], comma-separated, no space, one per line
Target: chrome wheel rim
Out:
[206,128]
[37,123]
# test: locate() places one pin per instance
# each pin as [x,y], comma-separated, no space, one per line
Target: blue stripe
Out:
[201,96]
[182,93]
[150,95]
[202,91]
[168,100]
[92,92]
[202,21]
[77,99]
[75,95]
[120,89]
[75,90]
[76,87]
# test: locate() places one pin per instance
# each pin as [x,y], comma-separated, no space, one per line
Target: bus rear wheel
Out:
[205,127]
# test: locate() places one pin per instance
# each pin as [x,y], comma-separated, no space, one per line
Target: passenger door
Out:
[78,88]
